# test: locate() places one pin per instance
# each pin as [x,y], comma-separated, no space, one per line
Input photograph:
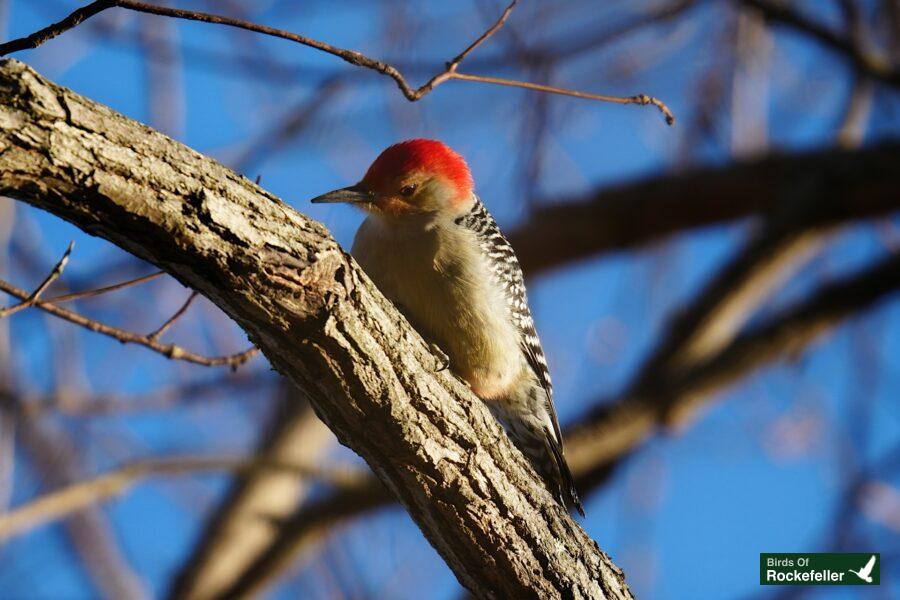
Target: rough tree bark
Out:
[319,321]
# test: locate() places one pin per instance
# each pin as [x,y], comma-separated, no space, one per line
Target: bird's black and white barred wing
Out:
[507,272]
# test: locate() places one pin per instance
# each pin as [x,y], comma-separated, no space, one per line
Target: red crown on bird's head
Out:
[429,156]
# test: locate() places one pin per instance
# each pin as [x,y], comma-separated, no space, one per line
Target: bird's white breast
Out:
[437,276]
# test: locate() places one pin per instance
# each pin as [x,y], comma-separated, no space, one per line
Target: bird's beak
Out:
[355,194]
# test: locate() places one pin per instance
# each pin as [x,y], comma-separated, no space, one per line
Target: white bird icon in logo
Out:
[866,572]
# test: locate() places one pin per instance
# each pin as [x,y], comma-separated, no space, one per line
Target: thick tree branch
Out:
[723,306]
[619,426]
[318,319]
[701,353]
[672,393]
[790,332]
[855,184]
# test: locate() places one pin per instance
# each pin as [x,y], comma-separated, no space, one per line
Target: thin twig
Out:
[127,337]
[641,99]
[171,321]
[36,294]
[351,56]
[103,290]
[83,494]
[453,64]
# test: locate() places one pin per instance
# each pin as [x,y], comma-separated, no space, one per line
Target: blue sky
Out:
[762,469]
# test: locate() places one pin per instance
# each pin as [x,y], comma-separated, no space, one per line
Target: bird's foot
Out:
[442,362]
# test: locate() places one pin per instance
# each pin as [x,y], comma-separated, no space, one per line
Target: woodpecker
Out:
[432,248]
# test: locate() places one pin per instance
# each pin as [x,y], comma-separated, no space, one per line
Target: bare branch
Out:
[351,56]
[76,497]
[167,398]
[171,320]
[171,351]
[852,130]
[453,64]
[235,536]
[866,61]
[36,294]
[787,334]
[103,290]
[88,530]
[722,307]
[640,99]
[853,184]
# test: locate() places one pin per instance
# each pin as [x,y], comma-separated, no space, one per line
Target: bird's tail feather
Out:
[538,442]
[565,482]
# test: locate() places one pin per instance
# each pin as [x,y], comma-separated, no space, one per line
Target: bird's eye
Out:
[407,190]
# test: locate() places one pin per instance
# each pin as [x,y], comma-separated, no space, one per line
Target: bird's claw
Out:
[443,361]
